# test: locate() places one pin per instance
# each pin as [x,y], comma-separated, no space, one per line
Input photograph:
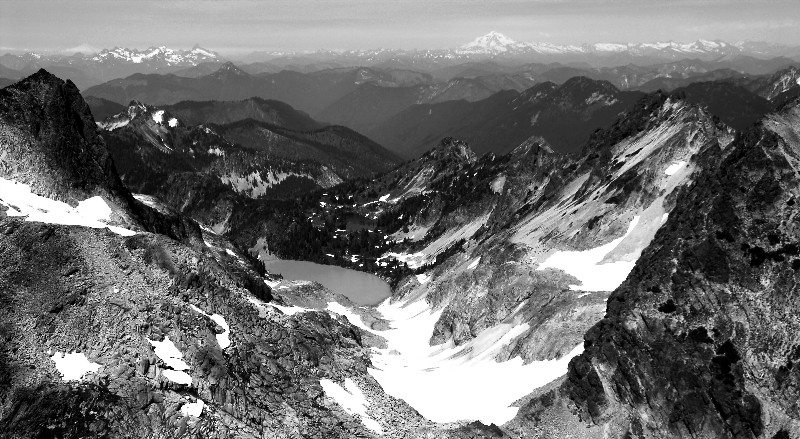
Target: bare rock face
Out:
[77,290]
[701,339]
[48,139]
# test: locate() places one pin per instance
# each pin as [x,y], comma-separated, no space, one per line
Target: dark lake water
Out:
[361,288]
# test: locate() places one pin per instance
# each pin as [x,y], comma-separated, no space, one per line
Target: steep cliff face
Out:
[701,339]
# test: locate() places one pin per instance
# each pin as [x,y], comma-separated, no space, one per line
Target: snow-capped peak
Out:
[493,42]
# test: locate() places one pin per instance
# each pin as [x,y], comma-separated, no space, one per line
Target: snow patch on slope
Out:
[224,339]
[93,212]
[254,184]
[73,366]
[193,409]
[173,358]
[498,184]
[587,267]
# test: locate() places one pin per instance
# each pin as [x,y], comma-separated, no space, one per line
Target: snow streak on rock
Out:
[351,399]
[173,358]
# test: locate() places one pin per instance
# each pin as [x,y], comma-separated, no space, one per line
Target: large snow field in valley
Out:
[448,383]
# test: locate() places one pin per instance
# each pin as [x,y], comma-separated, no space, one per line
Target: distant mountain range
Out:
[86,70]
[564,115]
[495,45]
[408,113]
[309,92]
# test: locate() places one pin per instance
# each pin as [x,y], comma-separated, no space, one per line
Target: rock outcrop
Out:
[700,340]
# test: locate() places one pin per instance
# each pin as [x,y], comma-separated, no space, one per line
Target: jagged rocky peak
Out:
[138,112]
[49,141]
[451,149]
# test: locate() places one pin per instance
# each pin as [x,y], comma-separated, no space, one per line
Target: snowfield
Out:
[20,201]
[446,383]
[262,307]
[429,253]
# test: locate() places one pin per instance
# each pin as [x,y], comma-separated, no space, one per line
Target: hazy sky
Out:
[238,26]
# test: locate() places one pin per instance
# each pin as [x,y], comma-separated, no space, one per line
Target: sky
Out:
[241,26]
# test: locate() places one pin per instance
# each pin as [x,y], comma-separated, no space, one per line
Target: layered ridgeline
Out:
[251,149]
[371,103]
[564,115]
[369,107]
[309,92]
[111,330]
[493,51]
[410,111]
